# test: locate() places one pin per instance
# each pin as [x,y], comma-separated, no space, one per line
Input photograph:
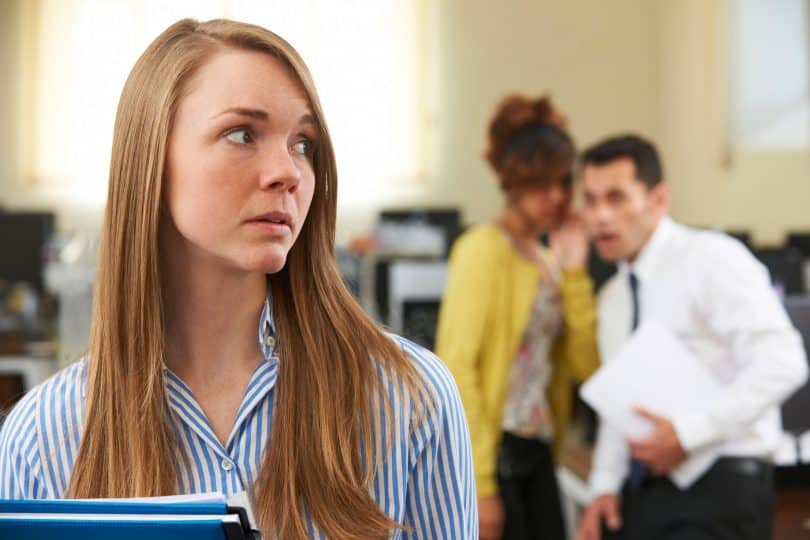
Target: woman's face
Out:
[545,206]
[239,165]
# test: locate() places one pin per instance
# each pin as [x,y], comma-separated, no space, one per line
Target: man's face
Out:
[620,211]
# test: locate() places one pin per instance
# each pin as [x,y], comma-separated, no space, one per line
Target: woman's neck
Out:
[518,227]
[212,316]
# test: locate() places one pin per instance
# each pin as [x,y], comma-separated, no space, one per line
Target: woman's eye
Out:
[240,136]
[303,147]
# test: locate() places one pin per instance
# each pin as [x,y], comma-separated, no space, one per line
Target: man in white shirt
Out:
[717,298]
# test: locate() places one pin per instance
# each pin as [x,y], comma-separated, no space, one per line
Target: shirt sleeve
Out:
[610,462]
[441,497]
[20,465]
[740,306]
[612,454]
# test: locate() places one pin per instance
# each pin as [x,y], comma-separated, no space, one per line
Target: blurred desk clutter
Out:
[45,300]
[401,268]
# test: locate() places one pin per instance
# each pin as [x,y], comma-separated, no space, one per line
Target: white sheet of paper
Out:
[209,497]
[655,370]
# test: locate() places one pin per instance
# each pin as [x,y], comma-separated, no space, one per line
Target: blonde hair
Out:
[324,444]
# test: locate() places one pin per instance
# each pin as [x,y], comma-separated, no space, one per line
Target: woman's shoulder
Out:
[437,418]
[61,390]
[437,384]
[45,420]
[485,236]
[427,364]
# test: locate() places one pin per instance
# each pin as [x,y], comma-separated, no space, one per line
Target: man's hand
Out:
[490,517]
[604,508]
[661,451]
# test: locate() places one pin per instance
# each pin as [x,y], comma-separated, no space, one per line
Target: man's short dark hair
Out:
[640,151]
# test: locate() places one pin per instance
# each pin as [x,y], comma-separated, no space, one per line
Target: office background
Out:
[408,86]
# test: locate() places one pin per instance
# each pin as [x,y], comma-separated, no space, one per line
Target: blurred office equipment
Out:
[794,463]
[70,274]
[801,241]
[27,311]
[403,279]
[786,267]
[445,222]
[23,239]
[414,293]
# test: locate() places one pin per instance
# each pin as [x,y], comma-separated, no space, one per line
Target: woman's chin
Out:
[267,263]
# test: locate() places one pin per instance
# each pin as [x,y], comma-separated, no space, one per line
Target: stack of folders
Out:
[208,517]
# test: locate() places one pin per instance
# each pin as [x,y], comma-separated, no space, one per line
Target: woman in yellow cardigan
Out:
[517,323]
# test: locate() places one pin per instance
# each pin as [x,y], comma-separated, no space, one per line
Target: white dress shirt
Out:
[717,298]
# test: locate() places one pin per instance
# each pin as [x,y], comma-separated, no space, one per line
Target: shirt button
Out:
[227,465]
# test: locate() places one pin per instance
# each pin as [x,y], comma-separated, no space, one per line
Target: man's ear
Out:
[661,198]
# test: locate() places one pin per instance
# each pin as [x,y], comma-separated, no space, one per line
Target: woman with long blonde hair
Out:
[225,352]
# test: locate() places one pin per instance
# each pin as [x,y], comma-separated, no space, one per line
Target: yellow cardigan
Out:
[483,315]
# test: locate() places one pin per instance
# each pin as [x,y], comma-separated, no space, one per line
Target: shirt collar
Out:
[644,265]
[267,328]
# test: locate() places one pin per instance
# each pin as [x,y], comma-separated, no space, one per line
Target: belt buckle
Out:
[749,467]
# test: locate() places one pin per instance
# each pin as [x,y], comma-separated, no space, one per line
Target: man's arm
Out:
[740,307]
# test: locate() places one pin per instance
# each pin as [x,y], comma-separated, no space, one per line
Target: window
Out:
[364,55]
[770,81]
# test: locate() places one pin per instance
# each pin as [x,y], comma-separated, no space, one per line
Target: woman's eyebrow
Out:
[261,114]
[258,114]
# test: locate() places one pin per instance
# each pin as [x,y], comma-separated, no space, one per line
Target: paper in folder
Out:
[208,517]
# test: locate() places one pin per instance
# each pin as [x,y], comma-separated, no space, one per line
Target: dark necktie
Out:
[634,293]
[637,469]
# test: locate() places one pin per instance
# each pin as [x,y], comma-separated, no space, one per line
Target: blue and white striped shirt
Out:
[426,482]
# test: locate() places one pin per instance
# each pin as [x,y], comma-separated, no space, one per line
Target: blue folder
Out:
[105,520]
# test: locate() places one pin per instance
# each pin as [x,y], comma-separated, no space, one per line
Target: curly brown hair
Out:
[528,143]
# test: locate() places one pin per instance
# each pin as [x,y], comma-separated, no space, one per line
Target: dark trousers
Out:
[528,487]
[734,500]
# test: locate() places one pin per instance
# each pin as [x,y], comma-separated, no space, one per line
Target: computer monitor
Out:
[800,241]
[786,267]
[23,238]
[447,219]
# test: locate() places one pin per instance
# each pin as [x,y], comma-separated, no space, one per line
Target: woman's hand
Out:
[569,242]
[490,517]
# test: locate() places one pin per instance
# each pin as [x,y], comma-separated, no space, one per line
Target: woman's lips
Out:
[280,229]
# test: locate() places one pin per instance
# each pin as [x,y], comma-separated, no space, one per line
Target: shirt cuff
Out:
[604,483]
[694,431]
